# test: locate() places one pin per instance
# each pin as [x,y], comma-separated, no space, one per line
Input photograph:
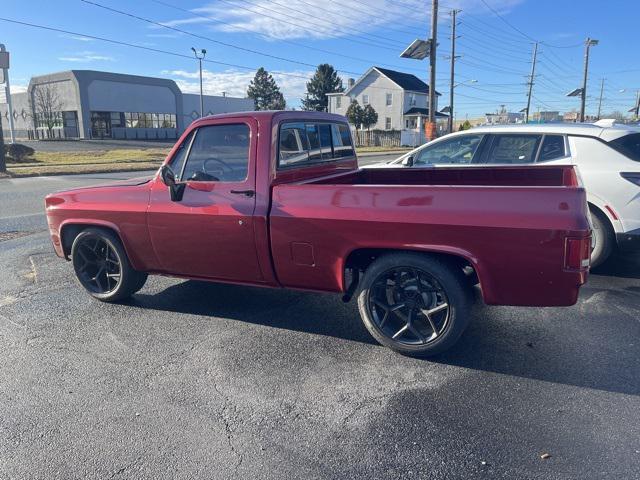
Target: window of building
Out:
[147,120]
[70,119]
[219,153]
[338,102]
[47,120]
[387,123]
[365,99]
[389,99]
[552,148]
[412,99]
[311,143]
[116,119]
[507,149]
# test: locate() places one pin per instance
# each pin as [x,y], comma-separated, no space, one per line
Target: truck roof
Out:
[270,114]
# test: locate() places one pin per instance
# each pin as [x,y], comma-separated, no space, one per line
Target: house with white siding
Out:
[400,99]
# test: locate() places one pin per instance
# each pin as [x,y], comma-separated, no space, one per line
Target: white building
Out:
[400,99]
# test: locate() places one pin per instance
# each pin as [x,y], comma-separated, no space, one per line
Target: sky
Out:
[290,37]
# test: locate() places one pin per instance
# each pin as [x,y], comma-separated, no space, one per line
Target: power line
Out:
[329,24]
[196,14]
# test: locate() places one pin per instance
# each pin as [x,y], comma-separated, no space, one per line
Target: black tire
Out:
[102,266]
[603,238]
[436,283]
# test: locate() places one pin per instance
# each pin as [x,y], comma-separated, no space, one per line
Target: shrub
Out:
[16,152]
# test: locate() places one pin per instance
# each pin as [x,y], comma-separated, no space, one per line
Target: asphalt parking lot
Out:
[198,380]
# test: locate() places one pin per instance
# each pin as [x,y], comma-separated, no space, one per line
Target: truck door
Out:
[209,232]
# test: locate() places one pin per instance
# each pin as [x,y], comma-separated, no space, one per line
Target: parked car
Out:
[607,156]
[276,199]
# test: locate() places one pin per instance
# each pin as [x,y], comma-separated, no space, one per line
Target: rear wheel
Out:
[102,267]
[414,304]
[603,238]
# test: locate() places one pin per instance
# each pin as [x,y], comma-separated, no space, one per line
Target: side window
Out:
[513,149]
[342,146]
[315,155]
[458,150]
[310,143]
[177,162]
[552,148]
[294,147]
[628,145]
[219,153]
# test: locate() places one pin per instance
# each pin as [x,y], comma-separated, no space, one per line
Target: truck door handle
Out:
[246,193]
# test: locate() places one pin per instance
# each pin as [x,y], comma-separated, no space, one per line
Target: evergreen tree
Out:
[325,80]
[355,113]
[265,92]
[369,117]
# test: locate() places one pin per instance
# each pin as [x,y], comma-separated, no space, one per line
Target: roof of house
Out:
[406,81]
[423,111]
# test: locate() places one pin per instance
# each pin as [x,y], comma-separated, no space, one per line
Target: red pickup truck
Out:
[276,199]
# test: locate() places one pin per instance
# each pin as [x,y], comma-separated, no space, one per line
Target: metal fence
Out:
[377,138]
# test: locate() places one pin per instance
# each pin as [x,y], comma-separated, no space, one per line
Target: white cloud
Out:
[86,56]
[291,19]
[80,38]
[234,83]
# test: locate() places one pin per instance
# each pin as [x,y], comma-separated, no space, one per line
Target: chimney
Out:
[350,82]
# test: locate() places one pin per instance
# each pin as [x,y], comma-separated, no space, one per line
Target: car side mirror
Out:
[408,162]
[176,189]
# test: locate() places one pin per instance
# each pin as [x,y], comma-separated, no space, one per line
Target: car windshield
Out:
[457,150]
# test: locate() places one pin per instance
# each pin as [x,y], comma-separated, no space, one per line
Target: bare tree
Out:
[47,107]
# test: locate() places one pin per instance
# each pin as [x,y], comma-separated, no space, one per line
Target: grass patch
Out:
[99,161]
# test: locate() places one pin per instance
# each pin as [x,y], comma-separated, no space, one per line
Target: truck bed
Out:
[458,212]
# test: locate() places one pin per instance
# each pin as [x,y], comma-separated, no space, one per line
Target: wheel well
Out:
[69,233]
[360,259]
[598,211]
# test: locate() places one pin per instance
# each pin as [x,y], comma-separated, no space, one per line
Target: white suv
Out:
[607,156]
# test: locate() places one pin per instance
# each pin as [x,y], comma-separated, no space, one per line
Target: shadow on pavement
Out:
[594,344]
[620,265]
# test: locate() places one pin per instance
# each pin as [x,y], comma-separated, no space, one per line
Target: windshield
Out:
[459,149]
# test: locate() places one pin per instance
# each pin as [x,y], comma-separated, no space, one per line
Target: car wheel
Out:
[414,304]
[102,266]
[603,239]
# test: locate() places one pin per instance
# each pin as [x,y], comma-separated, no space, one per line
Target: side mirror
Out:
[408,162]
[176,189]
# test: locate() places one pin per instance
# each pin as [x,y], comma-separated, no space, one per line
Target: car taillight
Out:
[633,177]
[577,253]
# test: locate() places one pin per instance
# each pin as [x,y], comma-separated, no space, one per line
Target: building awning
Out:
[423,112]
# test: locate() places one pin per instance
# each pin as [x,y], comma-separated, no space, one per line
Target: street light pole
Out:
[200,56]
[454,14]
[587,45]
[431,126]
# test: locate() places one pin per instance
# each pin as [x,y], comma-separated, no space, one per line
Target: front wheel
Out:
[102,266]
[414,304]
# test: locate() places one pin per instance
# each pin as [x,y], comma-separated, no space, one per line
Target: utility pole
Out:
[431,125]
[637,104]
[200,56]
[531,77]
[3,163]
[454,14]
[600,101]
[583,97]
[7,87]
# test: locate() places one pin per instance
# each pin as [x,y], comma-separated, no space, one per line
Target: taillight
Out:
[577,253]
[633,177]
